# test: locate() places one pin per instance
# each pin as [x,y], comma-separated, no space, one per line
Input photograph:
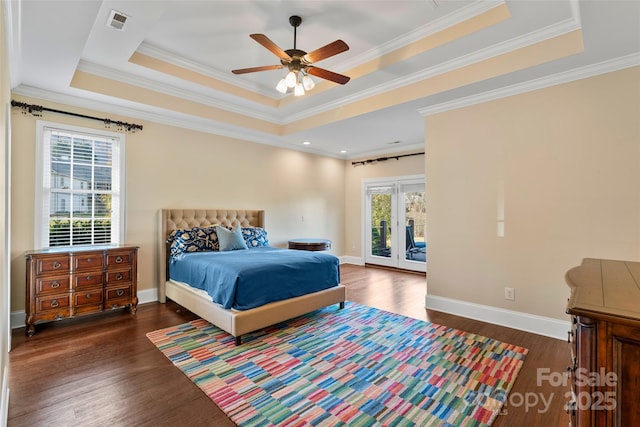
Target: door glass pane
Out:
[381,225]
[415,229]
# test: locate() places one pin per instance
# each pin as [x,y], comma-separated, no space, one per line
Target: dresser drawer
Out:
[87,280]
[88,261]
[91,296]
[52,302]
[120,276]
[52,265]
[52,284]
[117,259]
[117,297]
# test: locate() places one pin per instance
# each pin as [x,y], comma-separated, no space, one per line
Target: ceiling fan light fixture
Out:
[299,90]
[307,82]
[291,79]
[282,86]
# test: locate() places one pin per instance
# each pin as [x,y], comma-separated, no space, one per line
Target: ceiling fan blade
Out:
[254,69]
[328,75]
[327,51]
[266,42]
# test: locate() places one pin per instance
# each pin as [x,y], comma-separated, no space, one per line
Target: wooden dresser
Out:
[605,361]
[70,282]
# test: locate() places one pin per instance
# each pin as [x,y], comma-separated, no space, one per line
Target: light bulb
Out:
[282,86]
[291,79]
[299,90]
[307,82]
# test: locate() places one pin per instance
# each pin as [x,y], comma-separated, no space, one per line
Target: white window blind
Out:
[79,190]
[381,189]
[407,187]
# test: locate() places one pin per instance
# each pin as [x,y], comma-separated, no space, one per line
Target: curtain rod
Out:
[381,159]
[36,110]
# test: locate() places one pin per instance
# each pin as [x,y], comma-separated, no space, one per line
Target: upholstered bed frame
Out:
[234,322]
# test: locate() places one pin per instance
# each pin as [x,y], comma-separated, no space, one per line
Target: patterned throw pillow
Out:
[255,237]
[194,239]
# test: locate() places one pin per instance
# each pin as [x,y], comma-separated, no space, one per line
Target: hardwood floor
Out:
[102,370]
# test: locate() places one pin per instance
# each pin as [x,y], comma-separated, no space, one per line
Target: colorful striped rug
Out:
[357,366]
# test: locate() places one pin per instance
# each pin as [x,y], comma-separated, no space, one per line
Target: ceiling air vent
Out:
[116,20]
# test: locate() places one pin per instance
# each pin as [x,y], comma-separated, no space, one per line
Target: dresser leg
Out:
[134,305]
[31,328]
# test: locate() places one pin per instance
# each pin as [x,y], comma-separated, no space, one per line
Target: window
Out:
[79,186]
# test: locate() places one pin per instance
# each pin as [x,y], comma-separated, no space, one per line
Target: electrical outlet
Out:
[509,294]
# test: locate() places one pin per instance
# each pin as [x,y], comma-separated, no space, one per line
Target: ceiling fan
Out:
[298,61]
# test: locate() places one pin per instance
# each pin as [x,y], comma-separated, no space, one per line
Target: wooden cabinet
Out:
[310,244]
[605,355]
[70,282]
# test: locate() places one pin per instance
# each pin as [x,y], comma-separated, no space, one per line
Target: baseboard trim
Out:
[148,295]
[540,325]
[17,319]
[351,260]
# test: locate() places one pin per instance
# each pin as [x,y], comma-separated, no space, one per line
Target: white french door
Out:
[395,219]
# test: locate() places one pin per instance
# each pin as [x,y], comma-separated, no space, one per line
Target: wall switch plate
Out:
[509,294]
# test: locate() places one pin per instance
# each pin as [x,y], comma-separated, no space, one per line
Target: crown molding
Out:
[156,52]
[536,84]
[433,27]
[381,151]
[170,118]
[167,89]
[560,28]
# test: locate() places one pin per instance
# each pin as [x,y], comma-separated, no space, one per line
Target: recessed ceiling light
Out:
[306,143]
[343,151]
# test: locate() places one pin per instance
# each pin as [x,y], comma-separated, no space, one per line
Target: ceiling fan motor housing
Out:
[295,21]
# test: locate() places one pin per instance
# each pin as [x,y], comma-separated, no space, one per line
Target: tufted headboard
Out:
[178,219]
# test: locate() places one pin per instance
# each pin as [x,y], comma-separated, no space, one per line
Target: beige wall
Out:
[354,177]
[566,162]
[302,194]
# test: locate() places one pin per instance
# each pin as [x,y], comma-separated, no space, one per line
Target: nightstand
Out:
[306,244]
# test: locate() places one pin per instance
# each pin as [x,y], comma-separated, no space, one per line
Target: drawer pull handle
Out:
[119,276]
[119,292]
[55,284]
[55,303]
[119,259]
[88,278]
[56,264]
[88,296]
[88,259]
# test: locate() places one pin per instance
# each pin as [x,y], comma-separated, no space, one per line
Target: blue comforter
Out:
[249,278]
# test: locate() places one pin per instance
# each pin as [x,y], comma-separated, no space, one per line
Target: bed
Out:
[234,321]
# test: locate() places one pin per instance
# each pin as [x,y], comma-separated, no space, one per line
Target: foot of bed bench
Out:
[238,340]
